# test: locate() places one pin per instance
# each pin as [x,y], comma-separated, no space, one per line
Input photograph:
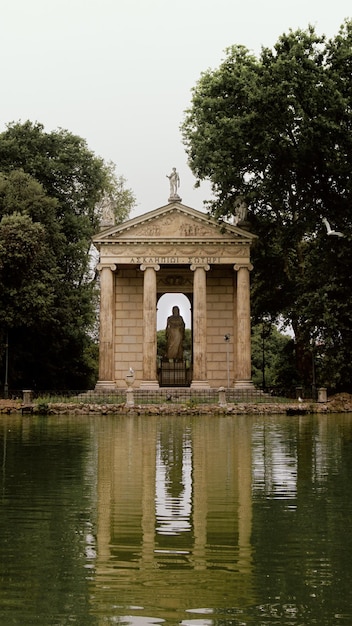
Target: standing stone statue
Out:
[174,183]
[106,207]
[175,332]
[240,210]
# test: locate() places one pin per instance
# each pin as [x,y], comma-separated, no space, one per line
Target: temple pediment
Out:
[174,223]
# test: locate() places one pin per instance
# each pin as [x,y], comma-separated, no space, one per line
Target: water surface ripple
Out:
[211,521]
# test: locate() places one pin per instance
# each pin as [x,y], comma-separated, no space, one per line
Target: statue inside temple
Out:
[175,332]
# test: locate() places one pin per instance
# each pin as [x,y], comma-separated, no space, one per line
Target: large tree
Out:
[51,188]
[276,132]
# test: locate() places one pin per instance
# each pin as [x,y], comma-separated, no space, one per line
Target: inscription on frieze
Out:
[174,260]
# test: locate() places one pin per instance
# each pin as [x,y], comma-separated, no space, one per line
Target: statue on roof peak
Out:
[174,179]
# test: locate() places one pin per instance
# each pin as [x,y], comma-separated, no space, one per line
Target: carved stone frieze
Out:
[221,251]
[163,226]
[187,229]
[175,225]
[175,280]
[154,230]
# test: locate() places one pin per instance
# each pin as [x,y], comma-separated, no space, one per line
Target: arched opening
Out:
[164,309]
[174,367]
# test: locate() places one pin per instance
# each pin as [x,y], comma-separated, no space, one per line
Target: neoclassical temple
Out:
[174,249]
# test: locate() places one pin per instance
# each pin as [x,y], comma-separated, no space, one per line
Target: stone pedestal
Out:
[129,398]
[27,396]
[173,373]
[322,394]
[222,396]
[175,198]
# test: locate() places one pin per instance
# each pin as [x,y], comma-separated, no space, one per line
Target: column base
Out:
[243,384]
[149,384]
[200,384]
[105,385]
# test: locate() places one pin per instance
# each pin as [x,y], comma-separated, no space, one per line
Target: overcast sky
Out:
[119,73]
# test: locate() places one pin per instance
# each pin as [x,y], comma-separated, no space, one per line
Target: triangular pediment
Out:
[174,222]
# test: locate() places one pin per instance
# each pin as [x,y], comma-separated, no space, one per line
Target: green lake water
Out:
[198,521]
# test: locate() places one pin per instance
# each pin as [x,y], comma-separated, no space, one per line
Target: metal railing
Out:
[180,396]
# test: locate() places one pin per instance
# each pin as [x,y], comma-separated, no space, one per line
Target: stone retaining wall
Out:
[342,403]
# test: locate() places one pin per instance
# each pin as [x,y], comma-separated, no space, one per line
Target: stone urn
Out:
[129,378]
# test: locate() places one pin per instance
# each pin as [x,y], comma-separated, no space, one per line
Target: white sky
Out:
[120,72]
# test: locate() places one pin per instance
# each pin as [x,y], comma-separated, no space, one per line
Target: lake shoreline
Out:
[339,403]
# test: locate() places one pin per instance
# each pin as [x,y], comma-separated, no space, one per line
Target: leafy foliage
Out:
[273,363]
[27,272]
[51,185]
[276,131]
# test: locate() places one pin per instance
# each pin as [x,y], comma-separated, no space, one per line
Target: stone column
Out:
[243,334]
[150,380]
[235,328]
[107,326]
[199,378]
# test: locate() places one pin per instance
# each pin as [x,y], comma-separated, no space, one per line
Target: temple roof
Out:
[173,223]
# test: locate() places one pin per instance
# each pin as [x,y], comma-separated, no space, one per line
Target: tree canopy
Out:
[51,187]
[275,131]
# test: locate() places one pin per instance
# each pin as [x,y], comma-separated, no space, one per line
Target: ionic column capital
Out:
[153,266]
[196,266]
[243,266]
[109,266]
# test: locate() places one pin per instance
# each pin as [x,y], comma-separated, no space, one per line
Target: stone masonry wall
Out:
[220,321]
[128,324]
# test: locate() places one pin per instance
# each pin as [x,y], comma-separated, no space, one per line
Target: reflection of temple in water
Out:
[166,497]
[173,497]
[185,508]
